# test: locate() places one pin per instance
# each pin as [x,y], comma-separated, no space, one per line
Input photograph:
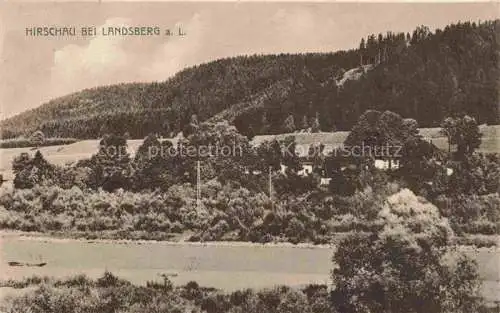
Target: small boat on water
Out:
[14,263]
[40,262]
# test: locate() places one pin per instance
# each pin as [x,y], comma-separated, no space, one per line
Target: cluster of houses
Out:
[308,164]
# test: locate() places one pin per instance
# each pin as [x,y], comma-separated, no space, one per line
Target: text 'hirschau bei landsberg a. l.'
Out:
[108,31]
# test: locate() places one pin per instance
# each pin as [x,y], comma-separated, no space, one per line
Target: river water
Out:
[228,267]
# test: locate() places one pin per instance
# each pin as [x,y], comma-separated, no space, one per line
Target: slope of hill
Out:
[425,76]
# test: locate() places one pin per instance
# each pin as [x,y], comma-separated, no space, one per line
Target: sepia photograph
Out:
[249,156]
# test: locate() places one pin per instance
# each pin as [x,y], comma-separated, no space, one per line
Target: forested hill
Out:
[424,75]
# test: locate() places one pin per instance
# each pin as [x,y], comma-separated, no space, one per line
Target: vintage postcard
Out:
[246,156]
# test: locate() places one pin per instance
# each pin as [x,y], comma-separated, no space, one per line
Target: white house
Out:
[325,181]
[384,164]
[307,169]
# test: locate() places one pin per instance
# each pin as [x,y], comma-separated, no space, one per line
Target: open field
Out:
[58,155]
[490,140]
[228,266]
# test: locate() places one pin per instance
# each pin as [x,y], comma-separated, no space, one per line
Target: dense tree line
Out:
[425,75]
[29,142]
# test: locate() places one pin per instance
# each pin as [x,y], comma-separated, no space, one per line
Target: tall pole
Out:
[270,185]
[198,185]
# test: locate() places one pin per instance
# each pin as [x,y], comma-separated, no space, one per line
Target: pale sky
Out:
[35,70]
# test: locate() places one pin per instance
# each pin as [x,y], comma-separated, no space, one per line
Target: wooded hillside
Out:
[423,75]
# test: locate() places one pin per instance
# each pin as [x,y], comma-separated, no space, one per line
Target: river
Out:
[225,266]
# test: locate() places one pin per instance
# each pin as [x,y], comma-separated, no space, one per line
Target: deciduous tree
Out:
[405,265]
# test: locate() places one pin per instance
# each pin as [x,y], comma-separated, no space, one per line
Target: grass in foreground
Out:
[112,294]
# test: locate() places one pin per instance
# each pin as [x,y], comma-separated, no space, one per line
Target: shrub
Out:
[401,268]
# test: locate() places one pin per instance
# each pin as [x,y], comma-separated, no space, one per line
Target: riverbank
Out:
[466,243]
[178,241]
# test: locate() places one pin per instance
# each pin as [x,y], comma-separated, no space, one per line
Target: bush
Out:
[472,213]
[112,294]
[401,267]
[227,212]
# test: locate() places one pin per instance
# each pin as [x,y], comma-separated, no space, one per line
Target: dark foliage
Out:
[112,294]
[23,142]
[426,76]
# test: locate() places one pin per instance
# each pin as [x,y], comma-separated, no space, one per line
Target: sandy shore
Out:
[35,236]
